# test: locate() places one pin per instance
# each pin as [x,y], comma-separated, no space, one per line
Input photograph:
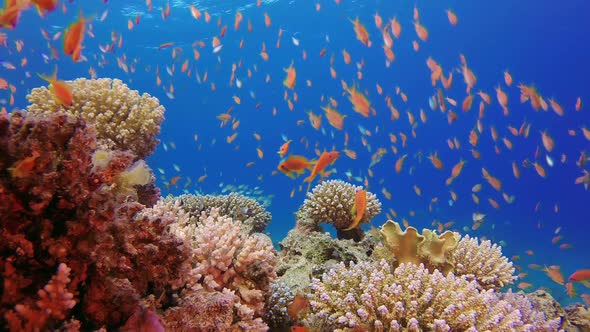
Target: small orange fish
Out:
[358,209]
[326,159]
[284,149]
[289,81]
[23,167]
[579,275]
[74,37]
[294,165]
[300,303]
[62,92]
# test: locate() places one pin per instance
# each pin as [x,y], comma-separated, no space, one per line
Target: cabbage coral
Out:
[124,119]
[376,297]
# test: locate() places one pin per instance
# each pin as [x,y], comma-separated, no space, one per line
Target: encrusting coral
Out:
[332,201]
[447,252]
[377,297]
[253,215]
[124,119]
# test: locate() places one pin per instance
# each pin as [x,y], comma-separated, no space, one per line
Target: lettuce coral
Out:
[482,262]
[377,297]
[124,119]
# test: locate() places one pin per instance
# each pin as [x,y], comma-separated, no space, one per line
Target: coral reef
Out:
[252,214]
[305,254]
[224,257]
[60,213]
[374,296]
[332,201]
[124,119]
[465,256]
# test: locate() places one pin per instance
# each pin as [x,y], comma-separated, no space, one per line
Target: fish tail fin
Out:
[49,79]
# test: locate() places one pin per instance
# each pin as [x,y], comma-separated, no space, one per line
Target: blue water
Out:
[539,42]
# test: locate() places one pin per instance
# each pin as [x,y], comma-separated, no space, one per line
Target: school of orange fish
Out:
[323,162]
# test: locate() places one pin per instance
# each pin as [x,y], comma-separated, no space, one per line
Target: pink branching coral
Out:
[60,212]
[228,259]
[374,297]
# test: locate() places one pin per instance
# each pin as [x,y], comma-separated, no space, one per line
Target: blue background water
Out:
[538,42]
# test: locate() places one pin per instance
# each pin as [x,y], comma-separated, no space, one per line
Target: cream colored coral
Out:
[124,119]
[372,296]
[331,201]
[484,262]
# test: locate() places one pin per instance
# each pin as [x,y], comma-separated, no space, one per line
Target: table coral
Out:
[124,119]
[332,201]
[377,297]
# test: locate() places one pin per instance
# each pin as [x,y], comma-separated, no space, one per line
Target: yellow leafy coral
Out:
[448,252]
[124,119]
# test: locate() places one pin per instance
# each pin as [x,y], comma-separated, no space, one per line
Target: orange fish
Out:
[45,5]
[359,102]
[555,274]
[62,92]
[358,208]
[294,165]
[579,275]
[11,13]
[335,119]
[284,149]
[300,303]
[23,167]
[74,37]
[361,32]
[289,81]
[326,159]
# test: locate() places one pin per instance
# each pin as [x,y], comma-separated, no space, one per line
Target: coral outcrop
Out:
[253,215]
[70,235]
[332,201]
[124,119]
[378,297]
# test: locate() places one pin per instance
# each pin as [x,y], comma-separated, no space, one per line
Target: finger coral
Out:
[332,201]
[376,297]
[124,119]
[484,262]
[253,215]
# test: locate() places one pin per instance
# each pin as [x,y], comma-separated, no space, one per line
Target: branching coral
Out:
[484,262]
[332,201]
[447,252]
[227,258]
[124,119]
[252,214]
[374,297]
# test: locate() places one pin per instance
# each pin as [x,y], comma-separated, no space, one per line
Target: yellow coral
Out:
[410,247]
[139,174]
[124,119]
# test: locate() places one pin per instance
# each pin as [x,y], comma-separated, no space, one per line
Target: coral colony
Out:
[88,244]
